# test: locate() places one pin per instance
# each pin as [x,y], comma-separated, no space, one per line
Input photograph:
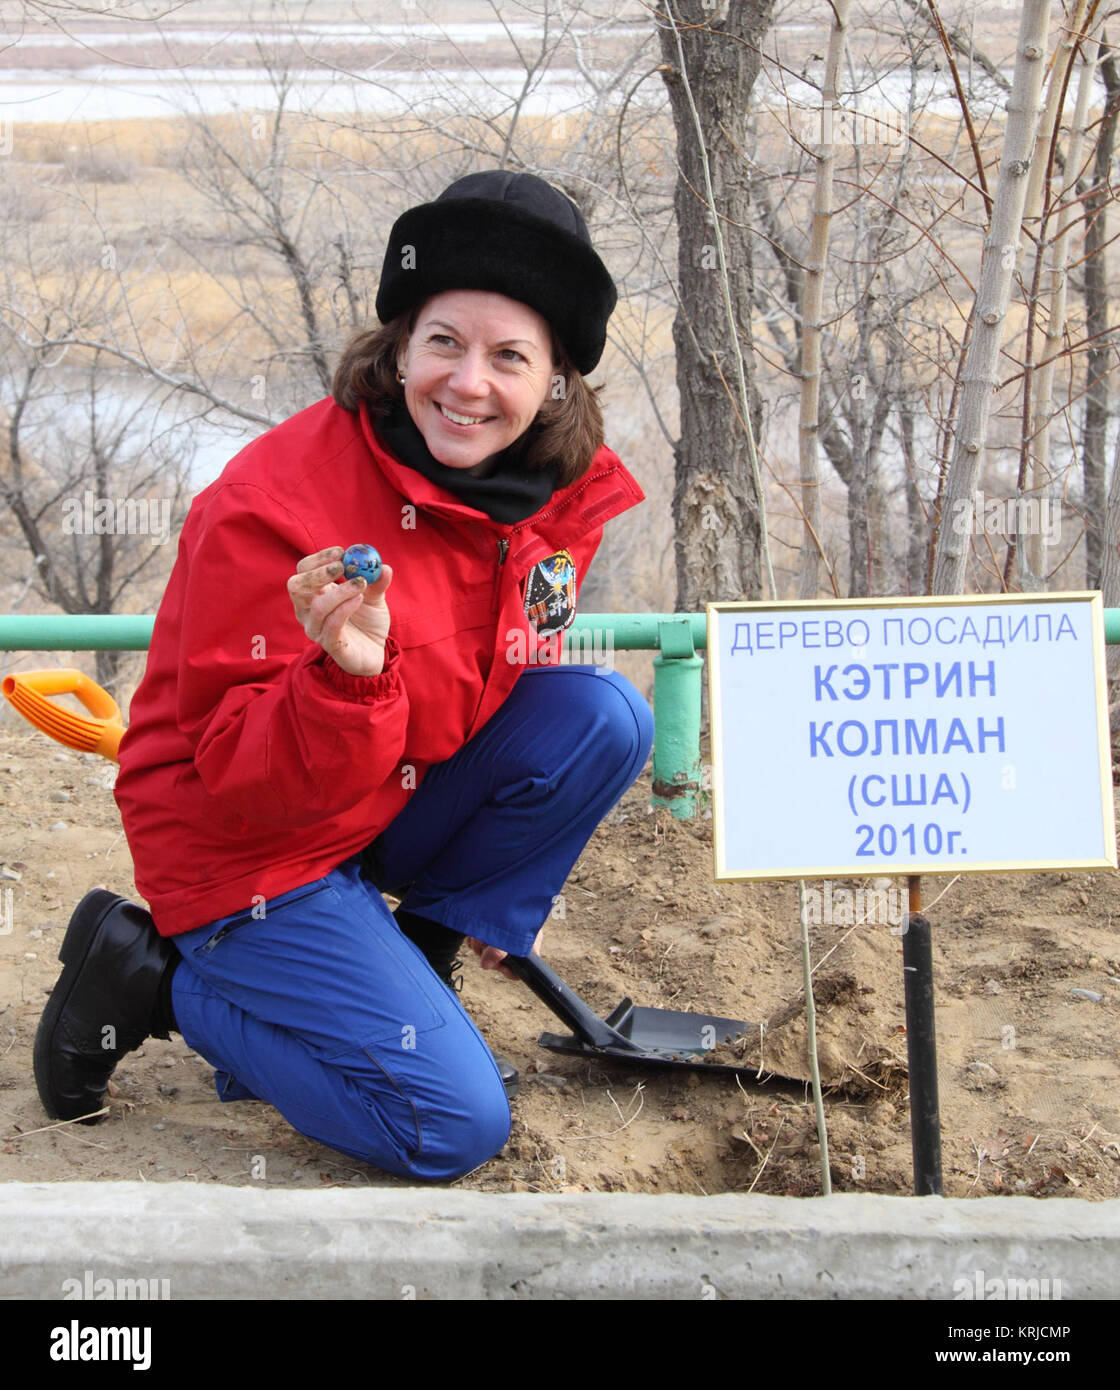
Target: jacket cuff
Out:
[364,689]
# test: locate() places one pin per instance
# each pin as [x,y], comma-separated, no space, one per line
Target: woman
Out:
[299,743]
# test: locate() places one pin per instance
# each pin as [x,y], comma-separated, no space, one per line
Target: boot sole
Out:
[73,953]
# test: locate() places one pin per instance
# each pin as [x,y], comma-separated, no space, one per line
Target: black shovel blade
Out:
[629,1034]
[686,1036]
[663,1038]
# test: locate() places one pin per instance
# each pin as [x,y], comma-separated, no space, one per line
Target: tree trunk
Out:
[812,309]
[108,669]
[716,507]
[1057,265]
[1110,568]
[1097,305]
[916,517]
[993,293]
[1034,203]
[859,519]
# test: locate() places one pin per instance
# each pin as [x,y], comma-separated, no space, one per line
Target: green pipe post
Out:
[83,632]
[635,632]
[676,701]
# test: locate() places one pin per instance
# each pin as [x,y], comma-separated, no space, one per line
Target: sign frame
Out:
[903,606]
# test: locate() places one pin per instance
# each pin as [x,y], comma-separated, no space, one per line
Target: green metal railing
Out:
[107,632]
[127,632]
[675,637]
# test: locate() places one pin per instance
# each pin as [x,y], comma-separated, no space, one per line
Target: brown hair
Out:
[563,438]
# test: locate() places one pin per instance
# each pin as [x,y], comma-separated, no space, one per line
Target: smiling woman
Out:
[302,743]
[559,439]
[476,370]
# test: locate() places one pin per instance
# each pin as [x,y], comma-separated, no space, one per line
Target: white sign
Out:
[910,736]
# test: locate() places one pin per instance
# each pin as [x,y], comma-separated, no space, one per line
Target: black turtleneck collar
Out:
[507,494]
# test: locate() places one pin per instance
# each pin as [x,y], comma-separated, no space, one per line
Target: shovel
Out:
[631,1034]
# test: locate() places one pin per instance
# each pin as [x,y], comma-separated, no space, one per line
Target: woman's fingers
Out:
[330,609]
[306,584]
[376,591]
[320,559]
[350,620]
[316,576]
[360,652]
[491,958]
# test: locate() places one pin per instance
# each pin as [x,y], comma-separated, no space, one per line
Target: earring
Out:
[400,377]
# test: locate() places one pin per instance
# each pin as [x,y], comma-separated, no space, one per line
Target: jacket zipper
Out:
[503,551]
[503,545]
[543,516]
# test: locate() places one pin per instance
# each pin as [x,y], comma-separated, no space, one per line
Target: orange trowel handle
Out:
[101,733]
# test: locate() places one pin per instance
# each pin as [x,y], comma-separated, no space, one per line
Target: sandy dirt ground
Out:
[1028,1067]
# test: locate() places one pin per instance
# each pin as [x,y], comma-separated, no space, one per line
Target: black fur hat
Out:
[512,234]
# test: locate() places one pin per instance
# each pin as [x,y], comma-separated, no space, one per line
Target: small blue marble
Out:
[361,561]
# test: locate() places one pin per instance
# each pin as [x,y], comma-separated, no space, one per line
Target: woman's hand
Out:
[491,958]
[349,621]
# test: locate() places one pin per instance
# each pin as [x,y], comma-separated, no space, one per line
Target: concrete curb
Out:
[242,1242]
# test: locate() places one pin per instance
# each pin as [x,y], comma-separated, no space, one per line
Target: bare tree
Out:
[979,375]
[95,484]
[852,318]
[812,306]
[717,504]
[1057,252]
[1097,197]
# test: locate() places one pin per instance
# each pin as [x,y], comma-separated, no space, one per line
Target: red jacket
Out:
[253,763]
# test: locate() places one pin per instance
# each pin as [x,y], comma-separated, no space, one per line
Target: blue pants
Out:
[317,1003]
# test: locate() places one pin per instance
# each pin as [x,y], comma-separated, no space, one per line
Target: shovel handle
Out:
[100,732]
[551,990]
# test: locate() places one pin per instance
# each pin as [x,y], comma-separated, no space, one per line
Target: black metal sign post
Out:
[921,1046]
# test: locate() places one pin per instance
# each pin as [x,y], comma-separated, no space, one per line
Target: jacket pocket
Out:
[258,913]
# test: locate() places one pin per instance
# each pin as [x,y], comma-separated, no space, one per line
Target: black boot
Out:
[114,991]
[440,947]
